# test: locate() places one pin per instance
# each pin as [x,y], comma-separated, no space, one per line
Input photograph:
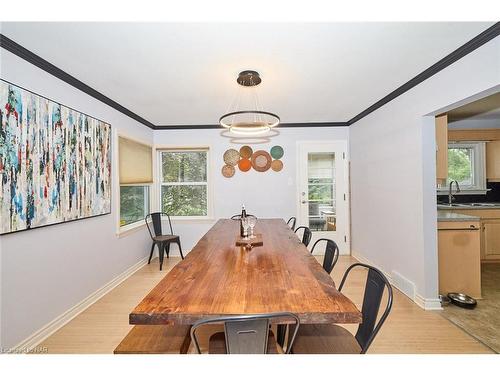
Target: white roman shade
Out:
[136,162]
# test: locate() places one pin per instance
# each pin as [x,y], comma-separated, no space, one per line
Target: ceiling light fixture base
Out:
[249,78]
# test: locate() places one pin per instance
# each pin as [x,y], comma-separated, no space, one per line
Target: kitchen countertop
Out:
[468,206]
[452,216]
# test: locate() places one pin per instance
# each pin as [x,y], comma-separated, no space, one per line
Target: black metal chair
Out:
[238,217]
[245,334]
[306,237]
[331,254]
[291,222]
[333,339]
[159,239]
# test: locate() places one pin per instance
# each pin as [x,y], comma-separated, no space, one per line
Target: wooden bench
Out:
[156,339]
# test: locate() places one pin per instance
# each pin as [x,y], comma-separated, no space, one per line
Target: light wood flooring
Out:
[483,322]
[409,329]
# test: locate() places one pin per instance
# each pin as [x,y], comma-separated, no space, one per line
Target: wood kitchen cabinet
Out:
[493,161]
[441,149]
[490,232]
[491,239]
[459,258]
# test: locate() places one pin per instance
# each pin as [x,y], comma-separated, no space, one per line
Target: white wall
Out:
[46,271]
[265,194]
[393,200]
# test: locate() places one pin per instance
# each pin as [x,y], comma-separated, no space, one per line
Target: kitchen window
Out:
[184,189]
[466,164]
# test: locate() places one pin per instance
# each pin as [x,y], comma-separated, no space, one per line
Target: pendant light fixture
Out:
[245,116]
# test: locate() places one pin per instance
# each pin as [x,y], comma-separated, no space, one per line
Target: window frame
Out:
[125,230]
[478,168]
[160,183]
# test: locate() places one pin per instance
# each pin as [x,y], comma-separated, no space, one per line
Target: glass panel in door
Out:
[321,190]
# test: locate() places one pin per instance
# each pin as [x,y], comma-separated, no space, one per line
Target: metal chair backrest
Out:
[291,222]
[154,219]
[376,282]
[238,217]
[247,334]
[306,237]
[331,254]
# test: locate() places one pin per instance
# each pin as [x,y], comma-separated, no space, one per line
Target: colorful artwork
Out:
[246,159]
[55,162]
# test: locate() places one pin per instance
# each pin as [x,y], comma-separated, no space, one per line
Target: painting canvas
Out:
[55,162]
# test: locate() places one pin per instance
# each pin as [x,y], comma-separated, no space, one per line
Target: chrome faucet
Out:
[450,194]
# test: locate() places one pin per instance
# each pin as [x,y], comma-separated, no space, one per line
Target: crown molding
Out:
[281,125]
[43,64]
[476,42]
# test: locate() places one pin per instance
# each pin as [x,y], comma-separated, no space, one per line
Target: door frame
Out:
[347,206]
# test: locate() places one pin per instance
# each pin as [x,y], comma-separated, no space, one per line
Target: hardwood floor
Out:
[409,329]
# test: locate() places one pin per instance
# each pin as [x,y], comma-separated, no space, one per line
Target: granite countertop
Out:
[452,216]
[469,206]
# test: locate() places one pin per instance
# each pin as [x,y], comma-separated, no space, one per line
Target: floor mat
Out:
[483,322]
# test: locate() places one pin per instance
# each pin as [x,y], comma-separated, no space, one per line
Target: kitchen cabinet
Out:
[493,161]
[441,149]
[459,258]
[490,232]
[491,239]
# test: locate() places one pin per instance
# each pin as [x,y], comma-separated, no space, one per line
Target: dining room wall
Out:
[44,272]
[393,194]
[265,194]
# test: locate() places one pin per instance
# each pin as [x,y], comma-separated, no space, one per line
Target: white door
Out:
[323,192]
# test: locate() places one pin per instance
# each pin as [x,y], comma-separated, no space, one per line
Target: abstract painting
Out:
[55,162]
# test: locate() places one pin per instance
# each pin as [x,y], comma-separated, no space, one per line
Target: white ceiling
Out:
[184,74]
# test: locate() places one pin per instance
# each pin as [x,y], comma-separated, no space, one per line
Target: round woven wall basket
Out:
[228,171]
[261,161]
[231,157]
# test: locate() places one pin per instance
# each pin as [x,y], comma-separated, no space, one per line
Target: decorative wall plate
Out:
[261,161]
[244,165]
[231,157]
[246,152]
[277,152]
[277,165]
[228,171]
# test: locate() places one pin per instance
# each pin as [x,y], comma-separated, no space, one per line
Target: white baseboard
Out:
[424,303]
[39,336]
[362,259]
[428,303]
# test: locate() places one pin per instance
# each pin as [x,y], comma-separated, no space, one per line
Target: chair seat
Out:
[325,339]
[156,339]
[217,344]
[165,238]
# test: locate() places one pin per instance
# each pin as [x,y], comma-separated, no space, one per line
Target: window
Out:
[466,164]
[136,176]
[321,190]
[184,183]
[134,203]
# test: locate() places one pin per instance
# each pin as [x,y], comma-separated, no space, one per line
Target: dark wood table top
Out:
[217,278]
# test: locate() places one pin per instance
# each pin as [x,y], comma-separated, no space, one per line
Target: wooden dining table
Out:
[218,278]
